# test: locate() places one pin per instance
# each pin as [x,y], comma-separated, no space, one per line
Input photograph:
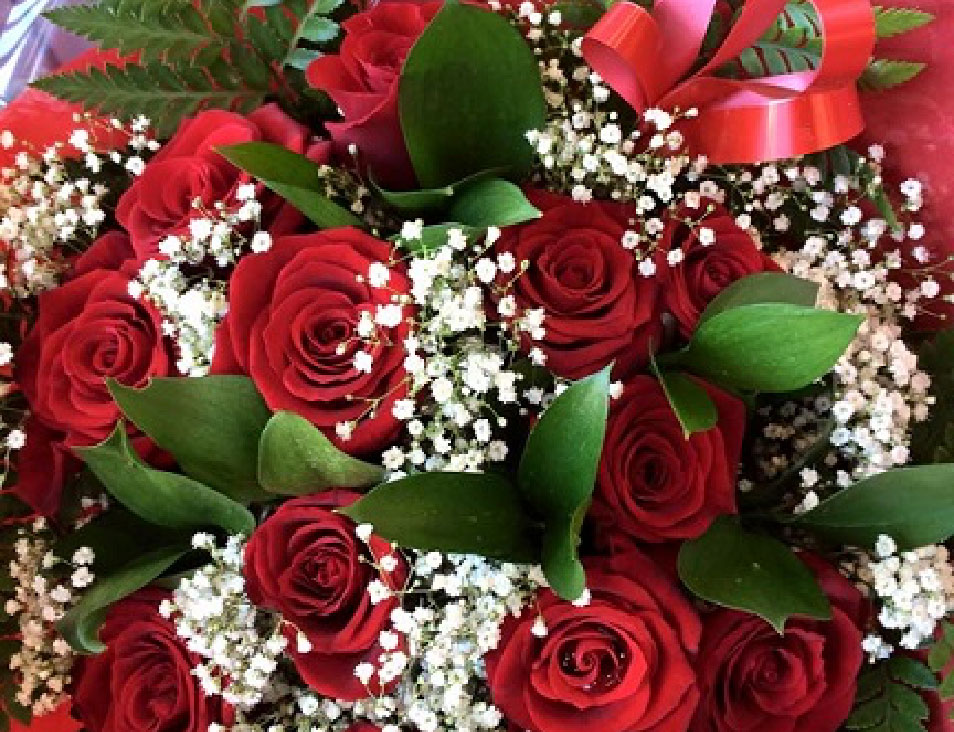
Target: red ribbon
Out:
[647,59]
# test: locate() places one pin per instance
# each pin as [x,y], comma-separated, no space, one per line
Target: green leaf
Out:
[911,672]
[491,202]
[22,714]
[114,537]
[763,287]
[767,347]
[891,22]
[469,92]
[557,474]
[946,690]
[792,43]
[319,29]
[295,458]
[579,14]
[80,625]
[940,655]
[691,403]
[907,701]
[750,572]
[12,507]
[164,93]
[914,506]
[886,73]
[211,425]
[466,513]
[293,177]
[174,33]
[166,499]
[933,440]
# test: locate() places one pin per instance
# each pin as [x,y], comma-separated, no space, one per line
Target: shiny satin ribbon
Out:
[647,57]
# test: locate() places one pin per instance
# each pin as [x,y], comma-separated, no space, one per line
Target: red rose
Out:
[598,308]
[42,467]
[653,483]
[306,562]
[622,663]
[362,79]
[143,681]
[752,678]
[188,167]
[89,329]
[293,314]
[705,269]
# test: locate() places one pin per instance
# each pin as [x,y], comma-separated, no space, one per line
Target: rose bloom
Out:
[292,327]
[143,681]
[598,309]
[753,678]
[362,79]
[307,563]
[706,269]
[653,483]
[622,663]
[88,330]
[188,167]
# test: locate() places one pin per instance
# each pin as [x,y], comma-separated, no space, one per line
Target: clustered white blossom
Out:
[44,659]
[460,361]
[183,284]
[241,643]
[915,589]
[46,209]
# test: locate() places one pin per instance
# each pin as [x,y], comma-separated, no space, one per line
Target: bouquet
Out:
[420,366]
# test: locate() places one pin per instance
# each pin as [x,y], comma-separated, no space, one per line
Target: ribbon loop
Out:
[647,58]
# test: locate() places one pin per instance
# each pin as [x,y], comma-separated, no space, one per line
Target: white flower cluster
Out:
[916,590]
[191,301]
[44,659]
[455,357]
[46,211]
[240,642]
[450,619]
[879,389]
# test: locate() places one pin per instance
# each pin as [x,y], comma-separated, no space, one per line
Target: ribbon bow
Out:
[647,58]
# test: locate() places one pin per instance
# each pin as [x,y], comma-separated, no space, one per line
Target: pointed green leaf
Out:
[753,573]
[763,287]
[491,202]
[295,458]
[166,499]
[81,624]
[891,22]
[886,73]
[469,92]
[914,506]
[293,177]
[767,347]
[691,403]
[911,672]
[466,513]
[211,425]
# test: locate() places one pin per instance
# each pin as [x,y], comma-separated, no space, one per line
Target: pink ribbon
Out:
[647,59]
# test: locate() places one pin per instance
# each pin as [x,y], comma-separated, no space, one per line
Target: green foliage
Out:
[763,287]
[933,440]
[939,659]
[192,55]
[750,572]
[491,202]
[469,513]
[293,177]
[536,518]
[886,73]
[164,499]
[891,22]
[211,425]
[558,471]
[81,623]
[295,458]
[857,515]
[691,403]
[887,699]
[469,92]
[792,43]
[769,347]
